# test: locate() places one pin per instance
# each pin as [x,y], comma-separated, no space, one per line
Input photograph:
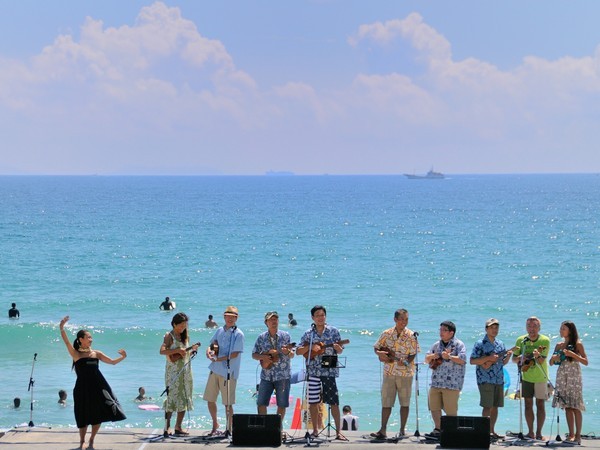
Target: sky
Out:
[311,87]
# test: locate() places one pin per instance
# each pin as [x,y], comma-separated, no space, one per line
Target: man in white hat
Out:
[224,367]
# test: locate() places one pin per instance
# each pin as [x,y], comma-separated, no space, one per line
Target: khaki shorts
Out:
[215,385]
[446,399]
[392,385]
[537,390]
[491,395]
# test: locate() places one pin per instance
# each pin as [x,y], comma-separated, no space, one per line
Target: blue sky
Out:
[324,86]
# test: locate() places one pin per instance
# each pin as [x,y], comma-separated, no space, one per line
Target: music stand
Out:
[308,439]
[331,362]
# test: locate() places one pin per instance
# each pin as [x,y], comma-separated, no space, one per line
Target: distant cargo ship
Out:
[431,175]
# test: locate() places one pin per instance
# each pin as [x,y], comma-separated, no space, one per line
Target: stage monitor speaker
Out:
[256,430]
[465,432]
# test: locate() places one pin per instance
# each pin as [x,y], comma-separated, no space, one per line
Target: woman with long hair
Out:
[568,394]
[93,399]
[178,372]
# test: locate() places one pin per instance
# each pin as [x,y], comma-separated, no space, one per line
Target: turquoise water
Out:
[107,250]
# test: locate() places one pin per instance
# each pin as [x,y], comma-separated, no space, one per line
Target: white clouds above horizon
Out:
[110,99]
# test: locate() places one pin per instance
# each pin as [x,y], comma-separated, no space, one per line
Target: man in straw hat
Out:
[225,359]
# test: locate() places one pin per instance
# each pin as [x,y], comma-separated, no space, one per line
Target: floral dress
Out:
[568,391]
[178,380]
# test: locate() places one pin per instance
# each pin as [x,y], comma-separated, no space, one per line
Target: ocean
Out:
[107,250]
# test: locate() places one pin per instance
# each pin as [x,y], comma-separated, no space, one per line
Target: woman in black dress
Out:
[92,396]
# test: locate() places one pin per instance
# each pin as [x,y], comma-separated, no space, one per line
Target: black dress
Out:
[93,397]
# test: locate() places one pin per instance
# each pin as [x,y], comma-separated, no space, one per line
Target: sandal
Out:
[180,433]
[379,436]
[341,437]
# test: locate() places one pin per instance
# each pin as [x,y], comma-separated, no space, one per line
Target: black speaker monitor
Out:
[465,432]
[256,430]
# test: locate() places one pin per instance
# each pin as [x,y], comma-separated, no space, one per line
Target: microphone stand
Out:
[308,438]
[30,388]
[520,440]
[417,434]
[165,434]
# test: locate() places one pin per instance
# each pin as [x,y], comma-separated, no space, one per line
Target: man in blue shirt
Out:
[224,367]
[489,355]
[272,348]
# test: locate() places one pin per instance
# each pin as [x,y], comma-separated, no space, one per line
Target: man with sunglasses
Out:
[274,350]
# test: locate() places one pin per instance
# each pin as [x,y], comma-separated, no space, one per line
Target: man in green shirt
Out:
[530,353]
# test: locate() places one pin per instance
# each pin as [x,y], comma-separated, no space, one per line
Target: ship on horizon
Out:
[431,175]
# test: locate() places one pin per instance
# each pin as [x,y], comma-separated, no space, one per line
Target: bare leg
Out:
[281,412]
[212,410]
[578,424]
[82,432]
[529,416]
[314,417]
[403,418]
[437,418]
[335,412]
[179,420]
[541,417]
[262,409]
[168,420]
[385,416]
[95,429]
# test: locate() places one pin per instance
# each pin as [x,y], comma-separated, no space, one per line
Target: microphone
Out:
[313,325]
[526,339]
[415,333]
[233,328]
[34,356]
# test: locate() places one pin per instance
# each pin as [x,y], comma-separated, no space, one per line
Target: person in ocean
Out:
[13,312]
[167,305]
[62,397]
[210,323]
[178,372]
[93,399]
[568,394]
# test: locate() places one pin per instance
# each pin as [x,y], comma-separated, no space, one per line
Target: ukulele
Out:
[486,365]
[274,356]
[437,362]
[176,356]
[529,360]
[391,355]
[322,346]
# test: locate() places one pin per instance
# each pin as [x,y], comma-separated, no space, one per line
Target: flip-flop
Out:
[378,436]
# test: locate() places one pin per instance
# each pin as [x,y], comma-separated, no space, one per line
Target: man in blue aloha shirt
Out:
[490,356]
[272,348]
[318,344]
[447,359]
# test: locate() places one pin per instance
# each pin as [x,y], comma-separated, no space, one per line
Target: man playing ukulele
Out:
[530,353]
[489,355]
[319,341]
[274,351]
[447,357]
[396,348]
